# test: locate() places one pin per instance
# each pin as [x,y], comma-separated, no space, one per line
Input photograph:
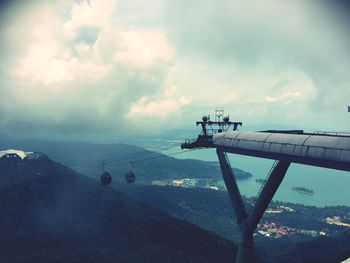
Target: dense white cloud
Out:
[148,111]
[265,43]
[143,49]
[86,70]
[89,14]
[82,66]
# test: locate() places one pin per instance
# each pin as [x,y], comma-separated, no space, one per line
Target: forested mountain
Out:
[50,213]
[292,228]
[67,196]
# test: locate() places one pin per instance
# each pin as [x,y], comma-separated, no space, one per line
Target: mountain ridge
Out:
[51,213]
[88,159]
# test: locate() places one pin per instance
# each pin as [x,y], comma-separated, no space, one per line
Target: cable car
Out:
[106,178]
[130,177]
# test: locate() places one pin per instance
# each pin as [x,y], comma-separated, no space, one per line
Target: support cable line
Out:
[126,161]
[163,156]
[132,159]
[136,155]
[126,157]
[147,159]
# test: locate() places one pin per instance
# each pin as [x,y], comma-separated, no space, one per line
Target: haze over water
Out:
[331,187]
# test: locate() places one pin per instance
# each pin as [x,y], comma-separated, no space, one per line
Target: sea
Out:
[331,187]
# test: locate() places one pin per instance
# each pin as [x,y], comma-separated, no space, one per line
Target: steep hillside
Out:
[330,249]
[50,213]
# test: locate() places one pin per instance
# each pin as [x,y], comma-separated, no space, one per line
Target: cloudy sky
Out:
[104,67]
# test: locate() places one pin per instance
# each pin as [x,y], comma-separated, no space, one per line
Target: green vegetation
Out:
[303,190]
[211,210]
[72,218]
[50,213]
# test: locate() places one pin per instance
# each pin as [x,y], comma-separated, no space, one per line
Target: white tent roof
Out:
[20,153]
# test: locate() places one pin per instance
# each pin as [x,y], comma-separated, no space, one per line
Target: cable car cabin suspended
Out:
[106,178]
[130,177]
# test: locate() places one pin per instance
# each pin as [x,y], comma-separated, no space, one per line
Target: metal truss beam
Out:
[248,223]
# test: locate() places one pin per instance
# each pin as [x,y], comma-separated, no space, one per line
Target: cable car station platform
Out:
[285,147]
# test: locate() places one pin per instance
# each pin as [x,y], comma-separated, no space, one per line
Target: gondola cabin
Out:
[106,178]
[130,177]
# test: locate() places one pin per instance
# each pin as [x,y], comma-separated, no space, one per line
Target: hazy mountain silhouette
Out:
[50,213]
[83,157]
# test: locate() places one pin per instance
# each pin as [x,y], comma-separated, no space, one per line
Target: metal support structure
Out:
[248,223]
[232,188]
[329,150]
[267,193]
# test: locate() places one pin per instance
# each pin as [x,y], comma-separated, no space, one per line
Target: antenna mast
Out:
[209,128]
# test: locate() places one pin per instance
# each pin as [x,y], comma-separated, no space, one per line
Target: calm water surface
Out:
[330,187]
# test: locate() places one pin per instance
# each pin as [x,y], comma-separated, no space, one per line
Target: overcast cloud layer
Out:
[108,67]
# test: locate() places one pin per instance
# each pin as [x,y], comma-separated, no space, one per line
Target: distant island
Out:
[260,180]
[303,190]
